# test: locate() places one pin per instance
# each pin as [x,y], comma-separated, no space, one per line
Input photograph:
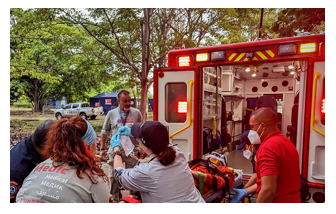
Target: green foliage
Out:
[300,21]
[50,59]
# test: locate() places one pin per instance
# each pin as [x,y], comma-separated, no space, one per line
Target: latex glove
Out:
[124,130]
[240,195]
[115,141]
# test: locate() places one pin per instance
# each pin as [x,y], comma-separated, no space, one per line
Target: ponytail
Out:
[167,156]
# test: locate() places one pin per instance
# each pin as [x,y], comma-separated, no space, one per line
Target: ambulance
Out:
[206,95]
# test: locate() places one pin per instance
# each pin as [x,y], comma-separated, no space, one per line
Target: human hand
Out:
[115,141]
[124,130]
[102,154]
[111,199]
[240,195]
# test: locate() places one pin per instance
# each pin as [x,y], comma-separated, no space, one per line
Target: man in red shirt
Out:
[277,161]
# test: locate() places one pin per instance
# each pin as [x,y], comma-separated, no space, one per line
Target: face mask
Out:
[254,137]
[126,109]
[247,154]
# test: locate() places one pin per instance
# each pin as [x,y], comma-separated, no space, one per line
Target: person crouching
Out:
[166,178]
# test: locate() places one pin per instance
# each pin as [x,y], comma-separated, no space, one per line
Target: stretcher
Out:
[213,181]
[214,196]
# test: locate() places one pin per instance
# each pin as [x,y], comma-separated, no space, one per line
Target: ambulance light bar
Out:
[202,57]
[323,106]
[308,48]
[182,107]
[290,49]
[184,61]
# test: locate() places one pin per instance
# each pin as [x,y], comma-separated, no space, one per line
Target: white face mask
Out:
[126,109]
[254,137]
[247,154]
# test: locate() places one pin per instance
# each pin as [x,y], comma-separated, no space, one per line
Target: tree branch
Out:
[118,41]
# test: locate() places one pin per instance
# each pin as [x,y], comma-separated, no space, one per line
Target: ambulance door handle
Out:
[190,120]
[313,119]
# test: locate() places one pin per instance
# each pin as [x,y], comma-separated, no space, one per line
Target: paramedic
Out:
[277,162]
[73,173]
[250,151]
[124,115]
[25,155]
[166,178]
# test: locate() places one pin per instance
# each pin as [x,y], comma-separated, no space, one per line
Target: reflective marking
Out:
[261,55]
[232,55]
[270,53]
[239,57]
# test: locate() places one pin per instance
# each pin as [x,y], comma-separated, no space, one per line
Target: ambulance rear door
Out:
[316,157]
[176,105]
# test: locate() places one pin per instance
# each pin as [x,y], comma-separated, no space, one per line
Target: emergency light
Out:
[289,49]
[184,61]
[218,56]
[323,106]
[182,107]
[308,48]
[202,57]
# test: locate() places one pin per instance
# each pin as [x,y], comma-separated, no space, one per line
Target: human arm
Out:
[251,181]
[105,132]
[268,189]
[103,151]
[117,161]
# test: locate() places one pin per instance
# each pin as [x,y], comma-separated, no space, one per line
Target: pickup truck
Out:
[82,109]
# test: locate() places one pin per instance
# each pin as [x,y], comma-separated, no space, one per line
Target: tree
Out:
[300,21]
[138,40]
[51,59]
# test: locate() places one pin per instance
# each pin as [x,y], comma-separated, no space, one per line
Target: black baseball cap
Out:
[243,140]
[267,101]
[154,135]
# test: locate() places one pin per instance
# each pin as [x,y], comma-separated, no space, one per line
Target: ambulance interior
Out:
[239,86]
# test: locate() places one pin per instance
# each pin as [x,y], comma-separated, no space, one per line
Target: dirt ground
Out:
[24,123]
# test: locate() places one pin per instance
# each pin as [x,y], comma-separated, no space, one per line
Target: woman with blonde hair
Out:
[72,172]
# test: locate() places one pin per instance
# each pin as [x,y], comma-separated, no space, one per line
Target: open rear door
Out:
[176,98]
[314,143]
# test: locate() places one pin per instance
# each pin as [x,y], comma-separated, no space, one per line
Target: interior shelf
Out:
[211,88]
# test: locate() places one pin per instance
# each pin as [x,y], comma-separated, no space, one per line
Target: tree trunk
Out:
[145,38]
[36,96]
[143,105]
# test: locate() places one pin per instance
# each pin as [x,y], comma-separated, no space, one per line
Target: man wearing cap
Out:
[166,178]
[25,155]
[124,115]
[249,152]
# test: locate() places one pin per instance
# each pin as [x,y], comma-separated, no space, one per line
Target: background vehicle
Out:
[206,95]
[82,109]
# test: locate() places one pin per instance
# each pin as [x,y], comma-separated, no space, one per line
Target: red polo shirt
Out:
[278,156]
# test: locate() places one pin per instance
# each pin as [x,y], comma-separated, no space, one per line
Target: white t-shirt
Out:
[49,184]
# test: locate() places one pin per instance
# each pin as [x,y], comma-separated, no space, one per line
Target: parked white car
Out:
[82,109]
